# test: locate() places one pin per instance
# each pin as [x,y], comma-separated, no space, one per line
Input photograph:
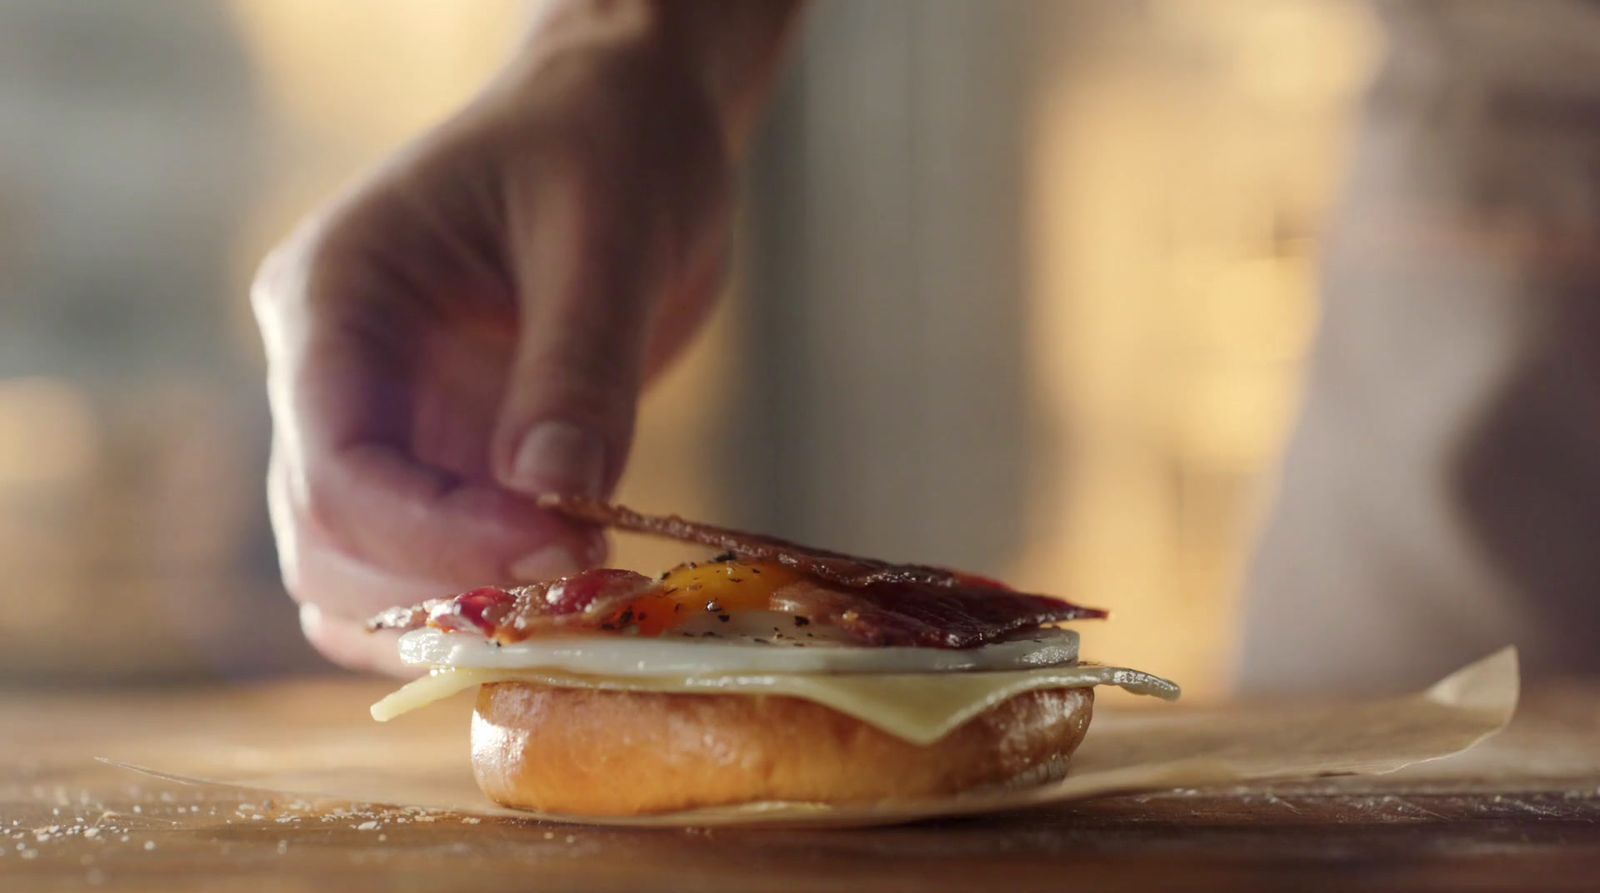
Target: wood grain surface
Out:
[1521,812]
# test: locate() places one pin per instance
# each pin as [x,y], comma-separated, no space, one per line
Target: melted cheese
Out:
[918,708]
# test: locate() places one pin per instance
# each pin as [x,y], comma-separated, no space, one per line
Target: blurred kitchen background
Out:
[1026,288]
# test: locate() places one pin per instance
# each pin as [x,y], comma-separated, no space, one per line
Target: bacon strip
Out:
[901,583]
[584,601]
[902,614]
[874,602]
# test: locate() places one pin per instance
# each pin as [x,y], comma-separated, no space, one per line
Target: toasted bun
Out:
[613,753]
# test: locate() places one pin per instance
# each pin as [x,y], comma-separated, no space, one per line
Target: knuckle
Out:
[284,280]
[270,283]
[304,268]
[311,518]
[319,510]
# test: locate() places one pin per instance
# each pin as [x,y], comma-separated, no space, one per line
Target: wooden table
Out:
[1521,812]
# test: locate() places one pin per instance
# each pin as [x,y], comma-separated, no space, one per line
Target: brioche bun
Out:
[589,752]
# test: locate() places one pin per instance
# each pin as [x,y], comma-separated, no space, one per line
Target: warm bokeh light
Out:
[1180,169]
[47,434]
[1178,159]
[344,84]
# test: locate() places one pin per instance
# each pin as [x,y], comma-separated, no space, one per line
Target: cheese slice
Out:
[919,708]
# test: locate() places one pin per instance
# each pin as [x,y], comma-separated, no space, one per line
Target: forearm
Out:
[732,48]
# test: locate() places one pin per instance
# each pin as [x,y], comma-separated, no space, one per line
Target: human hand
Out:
[471,325]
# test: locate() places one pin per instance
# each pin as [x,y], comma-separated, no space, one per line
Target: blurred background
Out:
[1025,288]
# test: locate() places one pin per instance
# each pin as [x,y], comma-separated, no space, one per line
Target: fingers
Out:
[362,523]
[345,642]
[338,585]
[314,574]
[377,504]
[614,243]
[566,420]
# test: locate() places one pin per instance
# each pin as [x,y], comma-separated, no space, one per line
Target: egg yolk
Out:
[689,590]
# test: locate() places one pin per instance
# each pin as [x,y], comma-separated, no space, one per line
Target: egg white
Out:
[745,651]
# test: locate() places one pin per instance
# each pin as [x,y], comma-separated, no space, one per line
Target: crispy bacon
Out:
[874,602]
[895,582]
[904,614]
[835,567]
[585,600]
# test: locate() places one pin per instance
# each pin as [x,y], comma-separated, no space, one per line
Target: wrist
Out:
[727,50]
[556,25]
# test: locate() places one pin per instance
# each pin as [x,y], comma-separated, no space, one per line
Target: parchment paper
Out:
[1135,750]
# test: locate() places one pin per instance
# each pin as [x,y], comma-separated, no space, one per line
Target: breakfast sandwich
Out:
[769,672]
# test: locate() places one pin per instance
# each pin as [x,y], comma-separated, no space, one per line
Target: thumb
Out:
[584,292]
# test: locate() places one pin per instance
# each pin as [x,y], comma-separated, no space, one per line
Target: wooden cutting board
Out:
[1519,812]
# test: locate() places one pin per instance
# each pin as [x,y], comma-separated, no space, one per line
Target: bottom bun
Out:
[591,752]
